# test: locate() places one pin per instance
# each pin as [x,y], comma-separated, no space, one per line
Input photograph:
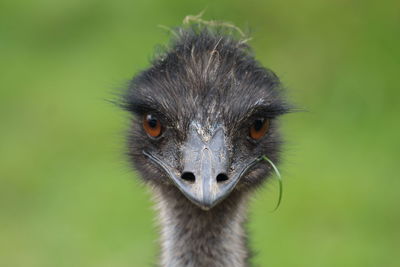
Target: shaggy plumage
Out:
[206,84]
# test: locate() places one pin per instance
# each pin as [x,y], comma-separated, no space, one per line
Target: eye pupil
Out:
[258,124]
[152,122]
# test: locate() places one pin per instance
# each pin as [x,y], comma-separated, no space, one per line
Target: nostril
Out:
[222,177]
[188,176]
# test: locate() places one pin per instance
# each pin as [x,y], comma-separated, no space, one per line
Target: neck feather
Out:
[191,236]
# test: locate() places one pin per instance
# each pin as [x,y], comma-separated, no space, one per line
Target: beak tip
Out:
[205,208]
[205,204]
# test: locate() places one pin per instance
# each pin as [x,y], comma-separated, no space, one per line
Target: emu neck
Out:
[191,236]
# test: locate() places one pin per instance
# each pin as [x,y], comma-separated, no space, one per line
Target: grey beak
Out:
[205,167]
[205,179]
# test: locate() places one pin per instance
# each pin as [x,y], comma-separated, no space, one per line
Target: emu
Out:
[203,115]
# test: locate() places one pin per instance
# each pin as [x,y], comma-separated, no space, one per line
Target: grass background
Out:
[67,196]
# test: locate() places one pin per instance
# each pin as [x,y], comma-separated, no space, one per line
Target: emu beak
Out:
[204,180]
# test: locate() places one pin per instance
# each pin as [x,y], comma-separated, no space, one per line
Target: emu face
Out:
[204,114]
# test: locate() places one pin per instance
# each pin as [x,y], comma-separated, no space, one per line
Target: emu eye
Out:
[259,128]
[152,125]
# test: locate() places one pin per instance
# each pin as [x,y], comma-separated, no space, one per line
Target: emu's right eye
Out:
[259,128]
[152,125]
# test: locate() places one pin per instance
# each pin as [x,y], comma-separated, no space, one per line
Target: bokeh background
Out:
[67,194]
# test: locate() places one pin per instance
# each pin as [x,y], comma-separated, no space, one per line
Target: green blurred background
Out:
[67,195]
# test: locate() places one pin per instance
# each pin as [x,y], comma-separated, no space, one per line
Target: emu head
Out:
[204,114]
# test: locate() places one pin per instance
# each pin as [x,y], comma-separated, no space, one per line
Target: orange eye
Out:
[152,125]
[259,128]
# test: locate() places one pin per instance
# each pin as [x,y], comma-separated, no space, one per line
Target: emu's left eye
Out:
[152,125]
[259,128]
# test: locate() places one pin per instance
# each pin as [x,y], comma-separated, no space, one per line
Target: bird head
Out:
[204,114]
